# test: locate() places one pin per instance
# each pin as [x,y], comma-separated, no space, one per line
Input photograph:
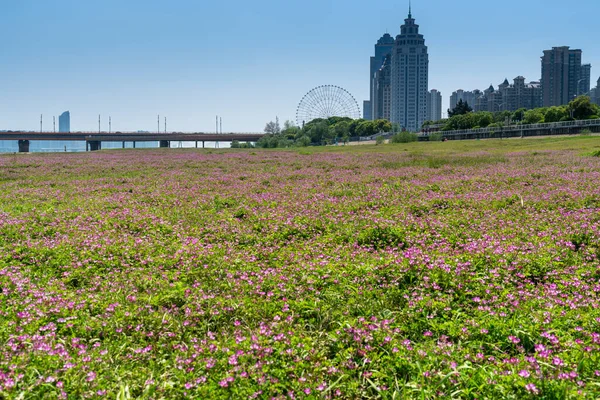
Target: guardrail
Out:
[588,123]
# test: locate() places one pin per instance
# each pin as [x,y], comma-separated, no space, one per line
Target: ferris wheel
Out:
[324,102]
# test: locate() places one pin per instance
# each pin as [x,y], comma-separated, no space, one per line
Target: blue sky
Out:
[249,61]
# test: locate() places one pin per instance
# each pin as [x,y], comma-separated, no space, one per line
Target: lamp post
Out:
[579,87]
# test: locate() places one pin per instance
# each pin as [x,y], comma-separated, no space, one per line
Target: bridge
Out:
[94,139]
[521,130]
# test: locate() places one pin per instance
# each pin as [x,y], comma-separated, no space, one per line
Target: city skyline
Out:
[103,60]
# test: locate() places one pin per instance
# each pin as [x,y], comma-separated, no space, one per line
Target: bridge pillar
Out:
[123,144]
[196,144]
[95,145]
[134,145]
[203,144]
[23,146]
[163,143]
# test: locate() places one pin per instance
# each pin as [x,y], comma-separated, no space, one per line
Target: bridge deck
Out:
[131,136]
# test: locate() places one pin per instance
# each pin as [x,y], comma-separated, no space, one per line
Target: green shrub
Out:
[380,140]
[404,137]
[381,237]
[436,137]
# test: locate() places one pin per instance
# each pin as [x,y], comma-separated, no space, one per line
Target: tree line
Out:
[463,117]
[321,131]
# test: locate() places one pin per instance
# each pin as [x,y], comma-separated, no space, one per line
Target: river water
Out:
[54,146]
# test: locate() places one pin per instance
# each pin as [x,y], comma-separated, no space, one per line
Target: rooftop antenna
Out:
[409,9]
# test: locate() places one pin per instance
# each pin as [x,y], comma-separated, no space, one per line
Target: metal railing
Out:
[519,127]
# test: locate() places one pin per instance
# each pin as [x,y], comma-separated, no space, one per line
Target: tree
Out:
[485,118]
[273,127]
[519,115]
[317,132]
[534,116]
[287,125]
[583,108]
[461,108]
[342,128]
[383,125]
[555,114]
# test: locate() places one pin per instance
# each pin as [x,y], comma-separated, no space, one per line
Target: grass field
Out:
[463,270]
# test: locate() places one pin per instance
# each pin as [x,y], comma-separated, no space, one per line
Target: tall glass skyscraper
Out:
[383,48]
[410,77]
[64,122]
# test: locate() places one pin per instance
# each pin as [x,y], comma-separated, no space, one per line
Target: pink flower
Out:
[532,388]
[524,373]
[557,361]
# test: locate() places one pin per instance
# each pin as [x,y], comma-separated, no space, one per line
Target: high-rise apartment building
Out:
[64,122]
[466,96]
[561,75]
[585,79]
[510,97]
[434,105]
[409,77]
[595,93]
[383,48]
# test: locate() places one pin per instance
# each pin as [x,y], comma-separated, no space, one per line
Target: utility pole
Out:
[158,124]
[221,123]
[109,124]
[165,124]
[41,122]
[217,124]
[54,123]
[99,130]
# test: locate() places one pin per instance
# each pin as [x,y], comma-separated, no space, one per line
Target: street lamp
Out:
[579,87]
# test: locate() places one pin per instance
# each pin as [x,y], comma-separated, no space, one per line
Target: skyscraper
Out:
[561,75]
[383,48]
[434,105]
[585,79]
[595,93]
[409,77]
[64,122]
[382,91]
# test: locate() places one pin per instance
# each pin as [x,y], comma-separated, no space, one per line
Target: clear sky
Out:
[250,61]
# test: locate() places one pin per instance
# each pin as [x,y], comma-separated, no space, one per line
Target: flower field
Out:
[424,270]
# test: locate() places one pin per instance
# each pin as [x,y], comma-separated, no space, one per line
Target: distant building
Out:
[409,77]
[510,97]
[595,93]
[562,78]
[585,80]
[367,110]
[382,91]
[64,122]
[434,105]
[466,96]
[383,48]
